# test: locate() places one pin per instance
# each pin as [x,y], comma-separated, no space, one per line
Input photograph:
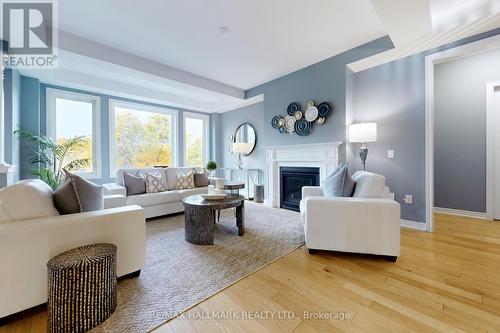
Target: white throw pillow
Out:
[368,185]
[185,181]
[28,199]
[4,216]
[154,183]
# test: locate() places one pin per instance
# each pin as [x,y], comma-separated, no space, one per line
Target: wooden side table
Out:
[82,288]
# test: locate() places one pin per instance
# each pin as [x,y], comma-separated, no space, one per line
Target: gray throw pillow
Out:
[135,184]
[89,194]
[339,183]
[65,199]
[201,180]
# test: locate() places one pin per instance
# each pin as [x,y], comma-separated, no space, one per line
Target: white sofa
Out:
[368,222]
[27,244]
[155,204]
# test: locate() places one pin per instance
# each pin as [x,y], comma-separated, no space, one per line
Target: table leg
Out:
[240,212]
[199,225]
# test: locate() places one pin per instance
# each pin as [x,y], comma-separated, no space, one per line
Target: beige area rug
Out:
[179,274]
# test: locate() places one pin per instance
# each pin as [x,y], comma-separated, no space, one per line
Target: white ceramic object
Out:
[290,124]
[214,196]
[211,189]
[311,113]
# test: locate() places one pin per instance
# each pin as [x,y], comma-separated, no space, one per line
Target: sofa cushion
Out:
[65,199]
[4,216]
[192,191]
[154,183]
[153,199]
[89,194]
[28,199]
[339,183]
[135,184]
[368,185]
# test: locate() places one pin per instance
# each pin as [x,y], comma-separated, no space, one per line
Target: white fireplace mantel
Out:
[324,156]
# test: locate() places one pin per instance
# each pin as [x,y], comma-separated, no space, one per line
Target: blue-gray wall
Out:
[323,81]
[254,115]
[460,130]
[393,95]
[32,117]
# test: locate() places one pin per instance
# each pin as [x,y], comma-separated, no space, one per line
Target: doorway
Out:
[493,114]
[431,61]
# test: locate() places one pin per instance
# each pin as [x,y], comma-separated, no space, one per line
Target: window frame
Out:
[51,95]
[206,136]
[143,108]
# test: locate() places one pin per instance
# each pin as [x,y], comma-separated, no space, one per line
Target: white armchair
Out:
[351,224]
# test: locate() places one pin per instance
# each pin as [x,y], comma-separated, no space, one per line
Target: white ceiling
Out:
[266,39]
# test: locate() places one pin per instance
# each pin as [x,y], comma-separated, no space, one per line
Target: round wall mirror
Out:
[245,139]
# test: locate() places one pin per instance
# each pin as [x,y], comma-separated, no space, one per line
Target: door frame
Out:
[431,60]
[490,149]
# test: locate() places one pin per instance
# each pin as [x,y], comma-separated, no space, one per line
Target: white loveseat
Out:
[368,222]
[155,204]
[28,243]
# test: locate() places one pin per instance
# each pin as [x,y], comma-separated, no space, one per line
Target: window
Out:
[70,115]
[196,139]
[141,136]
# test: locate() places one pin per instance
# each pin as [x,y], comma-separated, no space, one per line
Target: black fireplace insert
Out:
[291,181]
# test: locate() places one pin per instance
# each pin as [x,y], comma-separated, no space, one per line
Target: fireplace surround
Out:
[323,156]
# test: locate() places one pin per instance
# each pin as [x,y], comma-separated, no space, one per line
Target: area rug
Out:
[179,275]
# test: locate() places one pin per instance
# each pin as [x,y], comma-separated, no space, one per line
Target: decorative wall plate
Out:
[320,120]
[282,129]
[276,121]
[324,109]
[297,115]
[303,127]
[310,103]
[311,113]
[292,108]
[290,124]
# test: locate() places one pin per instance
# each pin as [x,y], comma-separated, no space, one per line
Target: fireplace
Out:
[291,181]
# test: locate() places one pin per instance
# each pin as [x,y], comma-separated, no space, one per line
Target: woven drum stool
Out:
[82,288]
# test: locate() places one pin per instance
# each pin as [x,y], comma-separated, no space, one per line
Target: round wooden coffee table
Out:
[199,217]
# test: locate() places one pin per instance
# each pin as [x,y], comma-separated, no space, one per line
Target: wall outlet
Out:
[390,153]
[408,199]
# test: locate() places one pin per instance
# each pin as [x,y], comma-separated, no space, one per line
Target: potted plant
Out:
[51,158]
[211,167]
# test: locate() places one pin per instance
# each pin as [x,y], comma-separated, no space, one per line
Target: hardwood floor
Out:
[446,281]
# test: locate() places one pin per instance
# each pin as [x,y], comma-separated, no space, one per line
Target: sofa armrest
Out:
[311,191]
[113,189]
[353,224]
[335,205]
[114,201]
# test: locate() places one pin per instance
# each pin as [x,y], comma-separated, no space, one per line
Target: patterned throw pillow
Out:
[154,183]
[185,181]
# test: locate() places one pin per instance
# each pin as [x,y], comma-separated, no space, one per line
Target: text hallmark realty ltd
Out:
[254,315]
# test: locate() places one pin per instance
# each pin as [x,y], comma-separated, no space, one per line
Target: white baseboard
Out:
[459,212]
[414,225]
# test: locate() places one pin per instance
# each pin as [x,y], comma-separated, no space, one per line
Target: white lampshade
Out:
[363,132]
[241,147]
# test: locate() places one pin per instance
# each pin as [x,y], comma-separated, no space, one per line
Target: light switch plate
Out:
[408,199]
[390,153]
